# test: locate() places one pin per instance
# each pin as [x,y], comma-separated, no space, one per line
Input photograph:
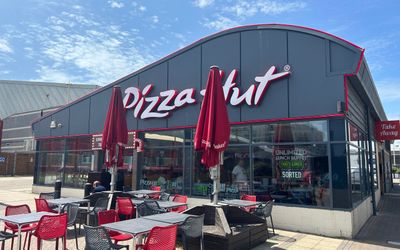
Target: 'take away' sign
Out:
[387,130]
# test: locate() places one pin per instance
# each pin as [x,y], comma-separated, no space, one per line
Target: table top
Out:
[171,217]
[62,201]
[22,219]
[144,192]
[135,226]
[240,203]
[163,204]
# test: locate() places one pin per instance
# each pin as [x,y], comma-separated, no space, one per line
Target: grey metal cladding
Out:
[223,51]
[42,128]
[98,110]
[62,121]
[342,59]
[311,91]
[357,110]
[131,121]
[23,96]
[156,75]
[184,71]
[79,113]
[261,49]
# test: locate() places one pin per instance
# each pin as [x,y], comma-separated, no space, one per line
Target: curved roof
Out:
[23,96]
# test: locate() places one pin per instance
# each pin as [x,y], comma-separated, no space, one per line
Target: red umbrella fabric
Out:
[115,130]
[212,130]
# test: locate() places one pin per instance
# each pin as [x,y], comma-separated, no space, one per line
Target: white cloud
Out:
[244,9]
[155,19]
[116,4]
[203,3]
[142,8]
[389,89]
[220,23]
[5,47]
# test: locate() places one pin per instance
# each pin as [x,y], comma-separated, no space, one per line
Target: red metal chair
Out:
[248,197]
[182,199]
[52,227]
[126,207]
[43,206]
[160,238]
[14,210]
[109,216]
[155,196]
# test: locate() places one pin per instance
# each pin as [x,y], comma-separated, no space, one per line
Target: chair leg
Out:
[65,241]
[273,228]
[12,243]
[26,236]
[57,243]
[202,242]
[38,243]
[76,237]
[29,240]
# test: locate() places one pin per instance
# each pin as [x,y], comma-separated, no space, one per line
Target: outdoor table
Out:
[240,203]
[171,217]
[162,204]
[144,192]
[135,227]
[62,201]
[23,219]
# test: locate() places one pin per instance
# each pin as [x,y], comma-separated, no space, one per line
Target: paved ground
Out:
[374,235]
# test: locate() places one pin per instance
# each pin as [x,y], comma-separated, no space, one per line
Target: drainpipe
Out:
[371,165]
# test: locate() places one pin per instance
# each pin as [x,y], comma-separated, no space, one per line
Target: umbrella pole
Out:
[215,176]
[113,170]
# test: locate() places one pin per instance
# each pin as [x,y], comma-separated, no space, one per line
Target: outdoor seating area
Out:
[135,221]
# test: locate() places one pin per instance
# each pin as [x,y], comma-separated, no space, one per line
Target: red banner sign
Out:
[387,130]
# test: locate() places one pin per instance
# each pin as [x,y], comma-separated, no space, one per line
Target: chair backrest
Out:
[97,238]
[182,199]
[164,196]
[161,238]
[101,204]
[95,196]
[46,196]
[107,216]
[14,210]
[193,226]
[72,211]
[149,208]
[125,205]
[248,197]
[42,205]
[267,209]
[155,196]
[52,226]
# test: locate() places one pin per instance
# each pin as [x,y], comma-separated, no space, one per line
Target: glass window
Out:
[50,167]
[79,143]
[309,131]
[240,135]
[235,174]
[52,145]
[355,163]
[163,138]
[78,164]
[299,174]
[162,167]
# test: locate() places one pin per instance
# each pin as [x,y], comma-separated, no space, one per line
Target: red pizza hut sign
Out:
[387,130]
[144,105]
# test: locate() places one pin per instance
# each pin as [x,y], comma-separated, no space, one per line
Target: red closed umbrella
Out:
[213,130]
[115,133]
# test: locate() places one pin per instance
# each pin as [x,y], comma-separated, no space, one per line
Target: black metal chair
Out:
[265,210]
[72,210]
[5,236]
[164,196]
[47,196]
[100,205]
[149,208]
[192,227]
[98,238]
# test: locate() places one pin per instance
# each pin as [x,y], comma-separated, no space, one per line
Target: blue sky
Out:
[99,41]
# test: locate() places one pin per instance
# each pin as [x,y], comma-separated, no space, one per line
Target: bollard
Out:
[57,189]
[87,189]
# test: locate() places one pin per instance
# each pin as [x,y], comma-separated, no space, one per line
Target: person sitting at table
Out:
[97,187]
